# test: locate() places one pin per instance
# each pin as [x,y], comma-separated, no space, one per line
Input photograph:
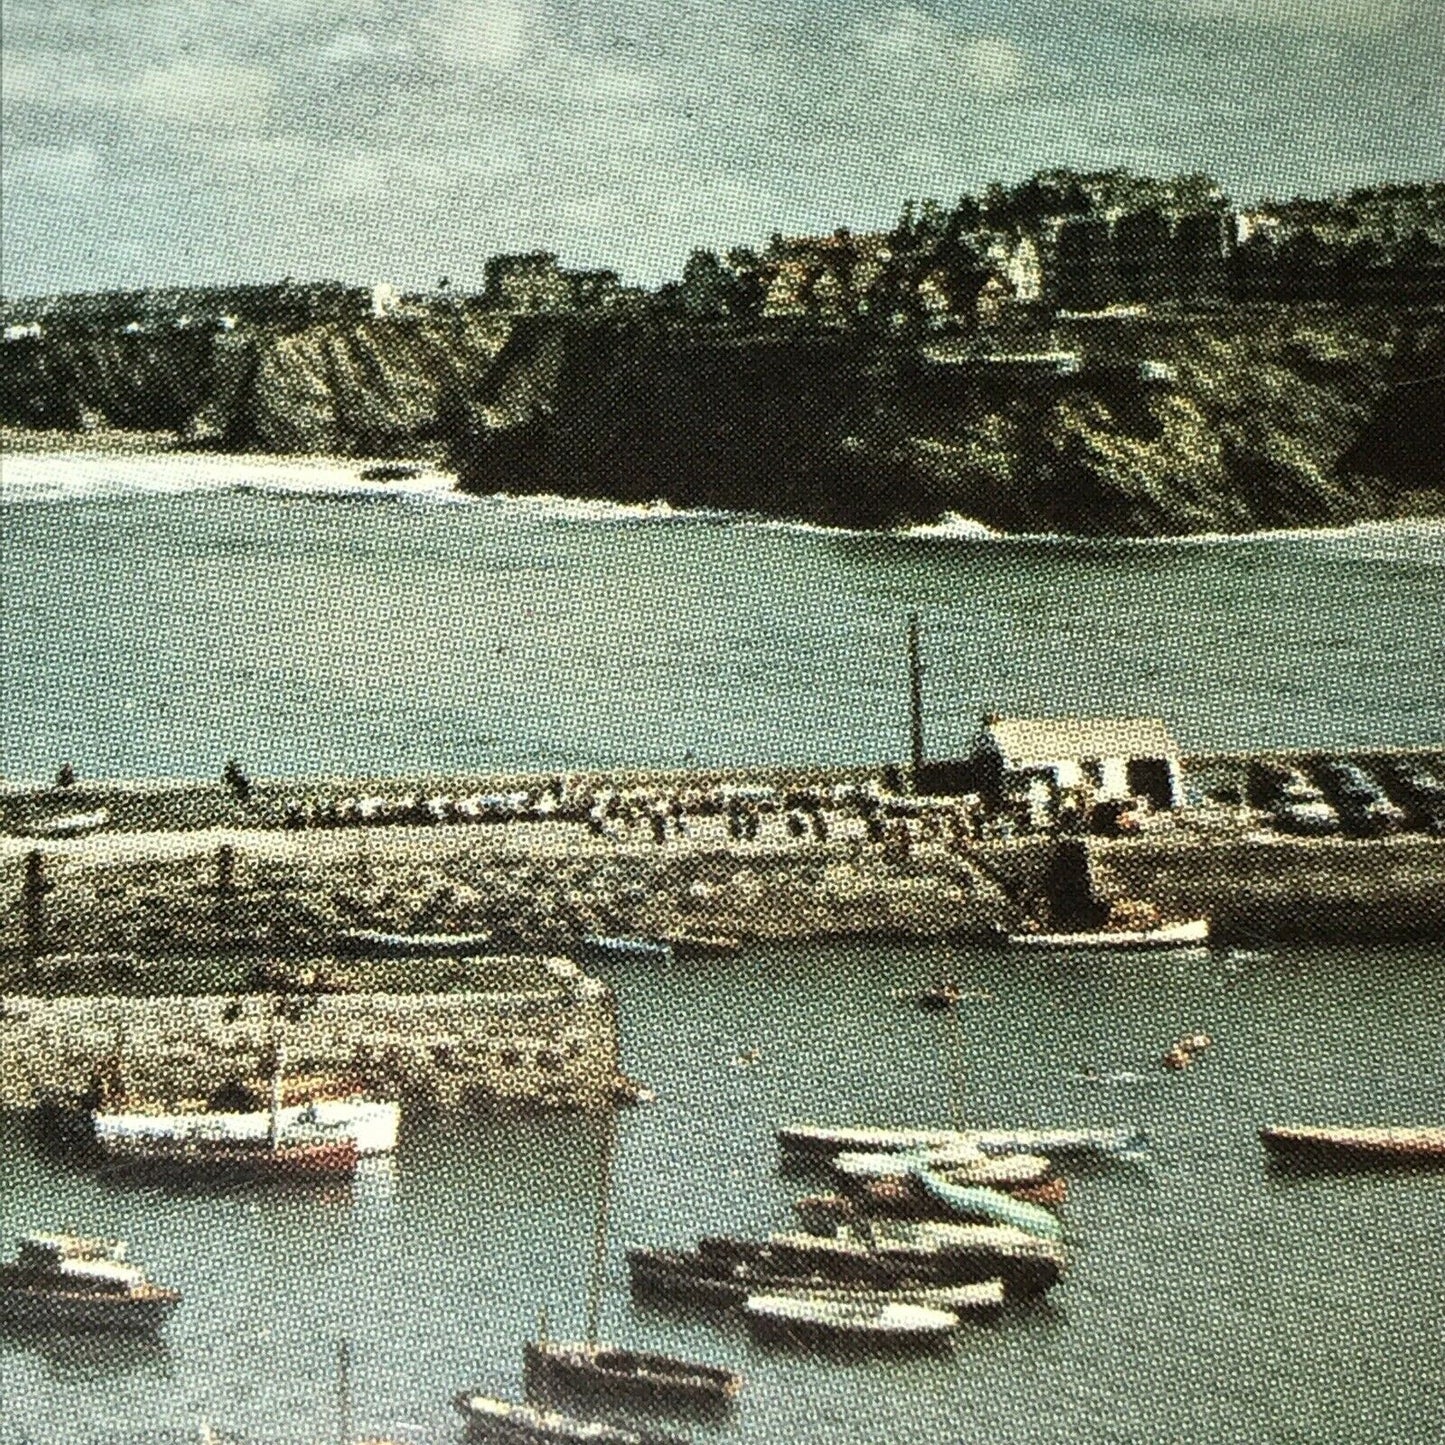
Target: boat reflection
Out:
[93,1357]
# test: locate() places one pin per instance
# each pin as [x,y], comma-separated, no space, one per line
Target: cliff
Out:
[1226,420]
[1235,420]
[360,388]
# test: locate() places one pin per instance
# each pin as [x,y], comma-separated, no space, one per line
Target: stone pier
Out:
[556,1044]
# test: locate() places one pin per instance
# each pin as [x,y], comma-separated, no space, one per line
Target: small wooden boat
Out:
[636,1377]
[371,943]
[215,1160]
[502,1422]
[887,1322]
[971,1201]
[63,1281]
[70,825]
[1123,1139]
[1353,1144]
[988,1171]
[820,1142]
[810,1141]
[690,1279]
[883,1254]
[1187,934]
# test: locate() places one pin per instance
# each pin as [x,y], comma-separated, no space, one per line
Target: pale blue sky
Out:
[147,141]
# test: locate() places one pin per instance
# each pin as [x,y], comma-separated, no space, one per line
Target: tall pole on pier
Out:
[343,1392]
[915,698]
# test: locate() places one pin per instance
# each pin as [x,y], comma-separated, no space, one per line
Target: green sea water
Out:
[206,608]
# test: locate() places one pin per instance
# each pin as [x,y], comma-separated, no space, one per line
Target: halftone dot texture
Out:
[308,696]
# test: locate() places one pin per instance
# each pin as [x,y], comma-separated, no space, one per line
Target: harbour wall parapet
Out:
[555,1045]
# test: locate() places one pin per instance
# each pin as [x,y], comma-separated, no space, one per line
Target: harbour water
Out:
[1210,1298]
[162,614]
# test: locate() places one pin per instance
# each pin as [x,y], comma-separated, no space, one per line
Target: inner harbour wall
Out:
[182,913]
[555,1045]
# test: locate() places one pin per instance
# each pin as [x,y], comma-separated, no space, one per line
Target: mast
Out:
[599,1237]
[273,1131]
[915,698]
[343,1392]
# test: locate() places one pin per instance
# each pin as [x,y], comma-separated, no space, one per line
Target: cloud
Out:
[1363,16]
[60,170]
[480,34]
[910,47]
[414,137]
[207,95]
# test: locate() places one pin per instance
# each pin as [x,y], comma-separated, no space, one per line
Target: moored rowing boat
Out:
[61,1281]
[634,1376]
[813,1141]
[1424,1144]
[504,1423]
[886,1322]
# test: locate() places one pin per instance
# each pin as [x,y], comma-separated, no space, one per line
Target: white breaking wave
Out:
[952,526]
[554,507]
[90,476]
[87,476]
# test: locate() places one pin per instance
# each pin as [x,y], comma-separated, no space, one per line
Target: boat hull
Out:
[875,1325]
[1362,1146]
[550,1371]
[823,1144]
[231,1162]
[45,1309]
[372,1126]
[503,1423]
[722,1273]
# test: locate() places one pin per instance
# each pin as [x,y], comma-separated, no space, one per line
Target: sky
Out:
[194,141]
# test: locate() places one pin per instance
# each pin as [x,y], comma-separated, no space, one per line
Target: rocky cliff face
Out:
[1244,419]
[368,388]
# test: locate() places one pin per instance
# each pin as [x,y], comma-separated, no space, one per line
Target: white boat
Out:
[61,1281]
[825,1143]
[70,825]
[987,1294]
[371,1125]
[1166,935]
[1120,1139]
[856,1318]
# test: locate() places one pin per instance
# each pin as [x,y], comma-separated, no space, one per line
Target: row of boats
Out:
[923,1229]
[874,1280]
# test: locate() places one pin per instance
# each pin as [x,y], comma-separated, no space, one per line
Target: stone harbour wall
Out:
[554,1046]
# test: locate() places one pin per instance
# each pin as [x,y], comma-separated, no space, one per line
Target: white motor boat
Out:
[371,1125]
